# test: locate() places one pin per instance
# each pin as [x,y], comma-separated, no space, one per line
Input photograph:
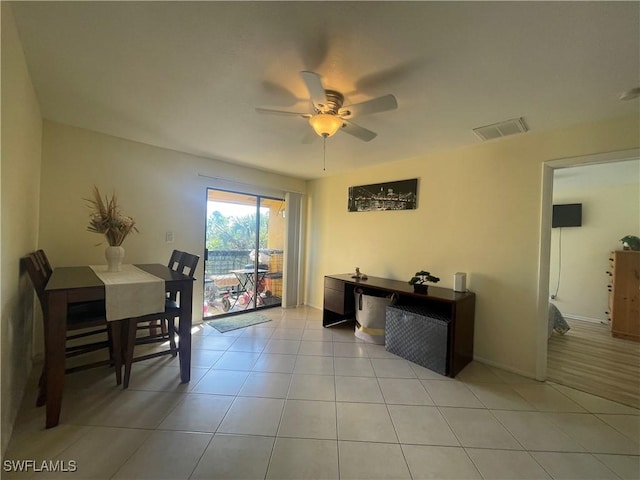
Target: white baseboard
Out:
[584,319]
[507,368]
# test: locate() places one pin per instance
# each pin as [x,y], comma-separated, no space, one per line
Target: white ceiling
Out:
[610,174]
[188,75]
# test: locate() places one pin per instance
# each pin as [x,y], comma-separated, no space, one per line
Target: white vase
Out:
[114,256]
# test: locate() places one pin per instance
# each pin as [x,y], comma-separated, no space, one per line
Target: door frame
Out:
[258,199]
[544,251]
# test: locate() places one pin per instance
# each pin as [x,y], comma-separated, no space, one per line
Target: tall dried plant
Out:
[107,219]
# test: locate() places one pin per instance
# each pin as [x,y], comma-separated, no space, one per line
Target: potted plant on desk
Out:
[420,279]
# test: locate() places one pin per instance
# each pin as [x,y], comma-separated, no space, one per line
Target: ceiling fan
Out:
[329,115]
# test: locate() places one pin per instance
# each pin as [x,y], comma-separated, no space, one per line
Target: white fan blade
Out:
[316,90]
[375,105]
[282,112]
[358,131]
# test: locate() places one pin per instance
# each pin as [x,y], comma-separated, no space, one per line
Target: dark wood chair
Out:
[44,262]
[84,320]
[174,261]
[181,262]
[154,336]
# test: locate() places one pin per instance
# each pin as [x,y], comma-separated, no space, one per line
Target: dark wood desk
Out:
[459,307]
[79,284]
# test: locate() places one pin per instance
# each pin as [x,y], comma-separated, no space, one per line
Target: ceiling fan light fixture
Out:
[325,124]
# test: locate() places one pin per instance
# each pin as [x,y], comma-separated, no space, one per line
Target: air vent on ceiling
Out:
[501,129]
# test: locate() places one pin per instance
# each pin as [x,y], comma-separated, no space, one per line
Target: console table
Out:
[458,307]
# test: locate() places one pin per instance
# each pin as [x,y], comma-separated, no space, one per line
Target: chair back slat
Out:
[44,262]
[174,261]
[188,263]
[37,275]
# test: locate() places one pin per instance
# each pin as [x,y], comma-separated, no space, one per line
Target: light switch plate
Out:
[169,237]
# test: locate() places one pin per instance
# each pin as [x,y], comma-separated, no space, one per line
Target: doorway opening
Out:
[244,250]
[586,357]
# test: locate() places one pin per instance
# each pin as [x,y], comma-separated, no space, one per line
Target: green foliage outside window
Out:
[235,232]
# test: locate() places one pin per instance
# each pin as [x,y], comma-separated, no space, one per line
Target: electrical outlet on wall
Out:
[168,237]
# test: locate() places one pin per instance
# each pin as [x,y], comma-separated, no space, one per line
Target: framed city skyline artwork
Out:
[398,195]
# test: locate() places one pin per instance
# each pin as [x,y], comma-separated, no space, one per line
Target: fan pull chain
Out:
[324,153]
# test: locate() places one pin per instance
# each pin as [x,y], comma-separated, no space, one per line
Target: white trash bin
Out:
[371,316]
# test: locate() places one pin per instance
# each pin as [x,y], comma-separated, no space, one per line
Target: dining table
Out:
[69,285]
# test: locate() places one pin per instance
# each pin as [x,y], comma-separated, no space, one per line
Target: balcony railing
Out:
[220,282]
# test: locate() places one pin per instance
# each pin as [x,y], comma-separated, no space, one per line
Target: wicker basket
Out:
[418,335]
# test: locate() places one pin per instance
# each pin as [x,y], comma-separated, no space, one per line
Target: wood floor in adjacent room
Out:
[588,358]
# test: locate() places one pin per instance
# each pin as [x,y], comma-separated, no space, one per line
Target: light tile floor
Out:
[288,399]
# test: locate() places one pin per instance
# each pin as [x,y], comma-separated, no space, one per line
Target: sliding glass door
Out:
[244,252]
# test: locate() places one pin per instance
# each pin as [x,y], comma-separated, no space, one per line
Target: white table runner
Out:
[131,292]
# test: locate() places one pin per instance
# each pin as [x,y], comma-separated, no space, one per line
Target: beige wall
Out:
[609,213]
[19,188]
[163,190]
[479,211]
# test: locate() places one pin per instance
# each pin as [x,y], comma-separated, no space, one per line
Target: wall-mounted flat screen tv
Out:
[567,215]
